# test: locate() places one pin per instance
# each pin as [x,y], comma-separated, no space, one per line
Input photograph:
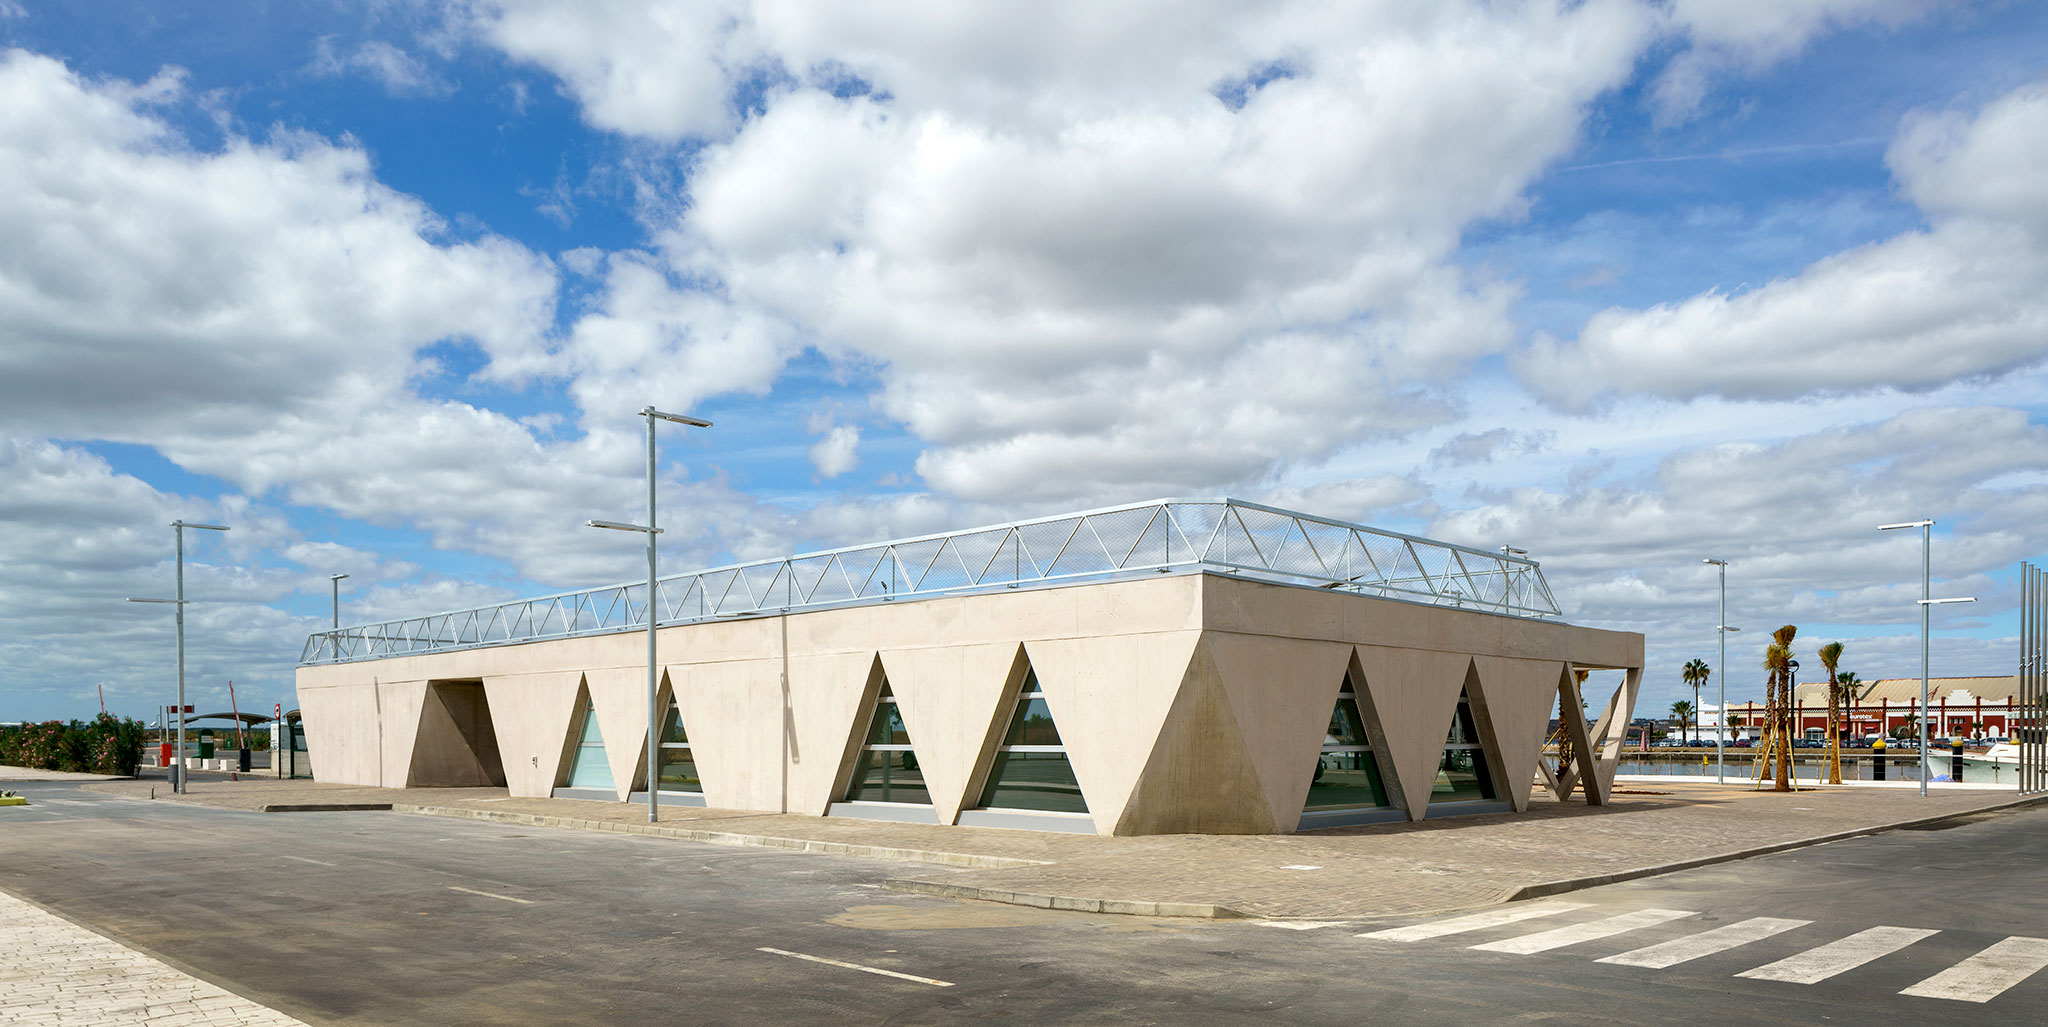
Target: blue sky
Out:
[1623,283]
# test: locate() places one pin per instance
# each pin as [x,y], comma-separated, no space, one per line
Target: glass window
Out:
[678,766]
[1462,774]
[886,769]
[1347,775]
[1031,771]
[589,768]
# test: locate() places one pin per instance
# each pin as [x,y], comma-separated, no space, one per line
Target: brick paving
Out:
[54,973]
[1357,873]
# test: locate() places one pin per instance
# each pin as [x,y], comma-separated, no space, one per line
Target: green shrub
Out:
[105,745]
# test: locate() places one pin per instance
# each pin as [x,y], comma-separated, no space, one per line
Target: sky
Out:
[1624,283]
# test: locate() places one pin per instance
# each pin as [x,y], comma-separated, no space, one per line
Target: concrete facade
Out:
[1191,702]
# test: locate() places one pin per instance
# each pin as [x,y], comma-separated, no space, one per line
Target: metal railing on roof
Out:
[1225,535]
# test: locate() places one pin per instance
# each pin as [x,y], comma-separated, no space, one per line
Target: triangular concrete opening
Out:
[1028,766]
[885,767]
[585,763]
[678,763]
[456,745]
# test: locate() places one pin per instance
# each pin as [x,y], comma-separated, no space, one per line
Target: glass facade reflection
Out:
[1347,775]
[1462,774]
[1031,771]
[589,768]
[886,769]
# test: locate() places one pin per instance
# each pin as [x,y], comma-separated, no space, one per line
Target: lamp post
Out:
[1721,631]
[178,529]
[335,580]
[650,529]
[1926,581]
[334,639]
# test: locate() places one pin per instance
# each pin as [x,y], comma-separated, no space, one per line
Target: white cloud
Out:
[1487,446]
[1960,299]
[1797,517]
[400,73]
[838,452]
[652,69]
[1143,290]
[1748,36]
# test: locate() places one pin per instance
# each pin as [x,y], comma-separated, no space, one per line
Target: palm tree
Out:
[1778,660]
[1831,658]
[1682,711]
[1696,674]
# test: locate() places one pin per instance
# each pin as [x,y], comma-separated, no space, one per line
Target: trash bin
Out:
[205,747]
[242,758]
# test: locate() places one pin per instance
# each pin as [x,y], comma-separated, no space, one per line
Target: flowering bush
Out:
[104,745]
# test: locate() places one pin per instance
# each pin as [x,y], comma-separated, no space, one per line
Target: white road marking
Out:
[315,862]
[1706,943]
[1987,974]
[1819,964]
[1302,925]
[1544,941]
[856,966]
[1461,924]
[1299,866]
[491,895]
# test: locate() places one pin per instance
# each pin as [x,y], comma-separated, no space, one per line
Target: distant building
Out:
[1961,707]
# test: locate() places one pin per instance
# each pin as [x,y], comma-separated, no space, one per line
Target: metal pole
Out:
[1721,671]
[178,783]
[653,721]
[1926,578]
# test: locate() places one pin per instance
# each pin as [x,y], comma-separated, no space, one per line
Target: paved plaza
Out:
[1375,871]
[365,918]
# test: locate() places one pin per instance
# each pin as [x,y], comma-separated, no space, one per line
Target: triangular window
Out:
[886,769]
[588,766]
[1463,775]
[1031,771]
[678,765]
[1347,775]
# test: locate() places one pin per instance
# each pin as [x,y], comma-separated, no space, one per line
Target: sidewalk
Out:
[1346,873]
[58,974]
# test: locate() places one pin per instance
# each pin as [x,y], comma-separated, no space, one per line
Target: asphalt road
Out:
[381,918]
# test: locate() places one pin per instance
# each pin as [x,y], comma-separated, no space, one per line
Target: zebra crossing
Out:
[1979,978]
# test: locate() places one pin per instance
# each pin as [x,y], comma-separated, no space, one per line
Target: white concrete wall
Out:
[1186,702]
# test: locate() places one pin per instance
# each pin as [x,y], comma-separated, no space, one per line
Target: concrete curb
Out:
[1130,907]
[1535,891]
[759,841]
[322,807]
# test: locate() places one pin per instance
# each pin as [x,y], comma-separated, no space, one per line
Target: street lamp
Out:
[1926,579]
[178,529]
[335,580]
[650,530]
[1721,631]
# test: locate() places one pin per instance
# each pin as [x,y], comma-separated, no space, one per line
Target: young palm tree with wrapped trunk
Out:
[1778,732]
[1696,674]
[1831,657]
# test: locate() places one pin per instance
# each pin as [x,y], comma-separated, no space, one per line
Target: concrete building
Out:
[1178,666]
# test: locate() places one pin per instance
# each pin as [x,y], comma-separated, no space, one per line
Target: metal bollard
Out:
[1955,762]
[1877,760]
